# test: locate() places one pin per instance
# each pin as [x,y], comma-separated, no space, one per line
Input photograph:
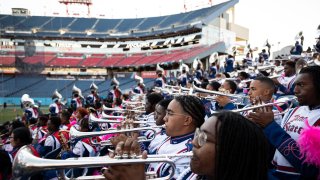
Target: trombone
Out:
[26,163]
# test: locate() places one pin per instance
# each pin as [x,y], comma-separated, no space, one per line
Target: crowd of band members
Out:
[255,144]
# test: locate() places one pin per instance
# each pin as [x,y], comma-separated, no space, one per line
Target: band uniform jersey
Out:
[293,122]
[31,112]
[52,141]
[287,82]
[55,108]
[159,82]
[76,103]
[174,145]
[157,141]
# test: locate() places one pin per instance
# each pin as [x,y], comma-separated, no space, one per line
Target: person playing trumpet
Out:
[285,84]
[289,161]
[261,91]
[216,152]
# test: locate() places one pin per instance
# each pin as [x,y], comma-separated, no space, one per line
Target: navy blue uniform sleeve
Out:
[288,147]
[229,106]
[285,90]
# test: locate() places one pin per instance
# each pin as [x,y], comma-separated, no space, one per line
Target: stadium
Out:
[42,53]
[179,95]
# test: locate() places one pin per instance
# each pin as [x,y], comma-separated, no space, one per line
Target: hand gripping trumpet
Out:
[26,164]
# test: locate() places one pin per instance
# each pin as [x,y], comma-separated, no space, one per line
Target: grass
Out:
[10,113]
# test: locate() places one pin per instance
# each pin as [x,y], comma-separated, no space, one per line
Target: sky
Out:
[279,21]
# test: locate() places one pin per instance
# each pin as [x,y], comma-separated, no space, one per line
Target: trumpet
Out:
[261,68]
[201,90]
[108,142]
[26,163]
[93,119]
[105,116]
[284,100]
[121,110]
[275,76]
[75,134]
[265,105]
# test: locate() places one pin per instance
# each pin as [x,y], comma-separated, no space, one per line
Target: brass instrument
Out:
[105,116]
[64,143]
[104,108]
[75,134]
[92,119]
[201,90]
[26,164]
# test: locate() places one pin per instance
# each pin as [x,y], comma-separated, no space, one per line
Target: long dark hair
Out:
[241,148]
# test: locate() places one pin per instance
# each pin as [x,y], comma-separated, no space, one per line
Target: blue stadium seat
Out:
[57,23]
[128,24]
[82,24]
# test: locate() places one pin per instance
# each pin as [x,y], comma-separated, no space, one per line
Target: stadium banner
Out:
[123,74]
[150,74]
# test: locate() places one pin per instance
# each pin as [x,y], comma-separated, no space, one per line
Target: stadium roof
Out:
[102,29]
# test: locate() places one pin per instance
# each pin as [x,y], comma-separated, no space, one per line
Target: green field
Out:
[10,113]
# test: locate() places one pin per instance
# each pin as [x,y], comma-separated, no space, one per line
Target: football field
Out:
[10,113]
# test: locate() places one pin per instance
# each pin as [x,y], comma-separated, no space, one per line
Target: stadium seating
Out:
[104,28]
[111,61]
[7,60]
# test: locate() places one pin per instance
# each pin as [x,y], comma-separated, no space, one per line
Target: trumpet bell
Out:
[26,163]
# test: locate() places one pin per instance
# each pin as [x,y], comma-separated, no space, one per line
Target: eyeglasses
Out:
[170,113]
[200,137]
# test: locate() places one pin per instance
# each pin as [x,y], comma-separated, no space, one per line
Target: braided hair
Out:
[194,107]
[241,148]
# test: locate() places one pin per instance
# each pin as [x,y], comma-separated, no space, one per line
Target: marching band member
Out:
[77,100]
[184,114]
[150,105]
[65,120]
[30,110]
[183,78]
[52,141]
[289,163]
[81,113]
[262,89]
[285,84]
[159,82]
[81,148]
[93,98]
[159,114]
[41,129]
[216,152]
[213,71]
[56,107]
[19,137]
[224,102]
[140,89]
[229,63]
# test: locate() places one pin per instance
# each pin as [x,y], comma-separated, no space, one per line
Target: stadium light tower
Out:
[81,2]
